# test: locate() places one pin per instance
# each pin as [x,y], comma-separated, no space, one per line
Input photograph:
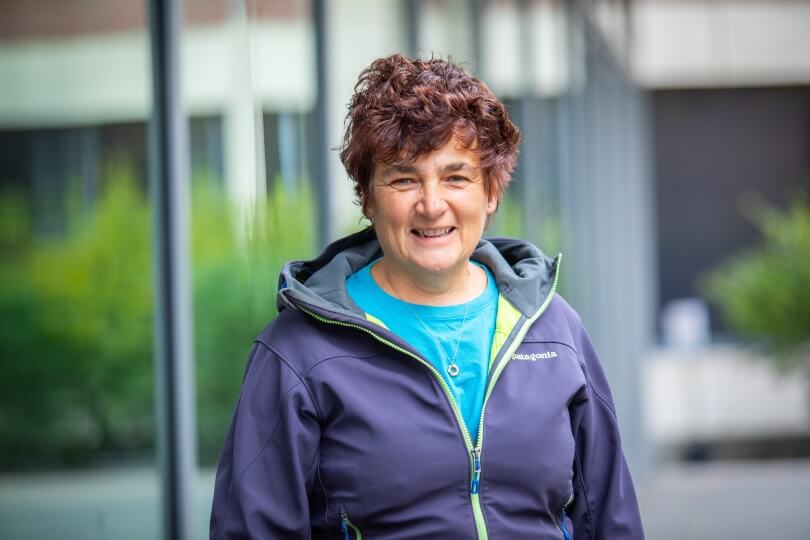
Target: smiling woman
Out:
[388,398]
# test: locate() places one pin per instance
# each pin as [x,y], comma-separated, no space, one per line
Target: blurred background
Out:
[666,154]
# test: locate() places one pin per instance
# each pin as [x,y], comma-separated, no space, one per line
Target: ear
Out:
[367,205]
[492,204]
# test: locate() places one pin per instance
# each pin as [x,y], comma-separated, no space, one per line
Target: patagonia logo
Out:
[534,357]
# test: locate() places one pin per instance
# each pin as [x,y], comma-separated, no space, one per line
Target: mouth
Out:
[433,233]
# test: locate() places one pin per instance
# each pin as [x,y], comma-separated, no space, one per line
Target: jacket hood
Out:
[524,275]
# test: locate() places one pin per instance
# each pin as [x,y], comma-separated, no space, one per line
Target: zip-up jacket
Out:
[342,430]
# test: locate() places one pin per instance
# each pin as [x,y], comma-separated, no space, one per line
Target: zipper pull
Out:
[476,478]
[344,525]
[564,526]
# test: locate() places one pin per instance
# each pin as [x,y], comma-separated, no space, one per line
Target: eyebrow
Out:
[403,169]
[458,166]
[410,169]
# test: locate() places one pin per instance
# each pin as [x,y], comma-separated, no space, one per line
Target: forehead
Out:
[450,157]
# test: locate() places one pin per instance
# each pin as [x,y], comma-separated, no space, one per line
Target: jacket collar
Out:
[524,275]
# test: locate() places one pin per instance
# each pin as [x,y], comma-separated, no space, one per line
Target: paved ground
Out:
[117,504]
[727,501]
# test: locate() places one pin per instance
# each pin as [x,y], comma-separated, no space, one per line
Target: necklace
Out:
[452,368]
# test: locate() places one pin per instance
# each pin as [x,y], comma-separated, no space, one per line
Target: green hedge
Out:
[76,318]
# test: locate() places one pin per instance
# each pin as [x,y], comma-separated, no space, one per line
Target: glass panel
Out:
[359,31]
[249,94]
[524,54]
[446,30]
[612,20]
[76,379]
[501,49]
[547,82]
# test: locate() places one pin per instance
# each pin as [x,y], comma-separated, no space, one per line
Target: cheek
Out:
[389,228]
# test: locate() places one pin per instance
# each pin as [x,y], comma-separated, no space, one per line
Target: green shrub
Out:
[764,293]
[234,293]
[76,318]
[77,342]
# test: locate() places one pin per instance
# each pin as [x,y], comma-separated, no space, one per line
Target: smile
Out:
[433,233]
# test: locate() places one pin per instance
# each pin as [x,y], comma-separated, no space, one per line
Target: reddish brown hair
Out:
[403,108]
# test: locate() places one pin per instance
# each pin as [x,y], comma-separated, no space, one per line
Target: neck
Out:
[442,289]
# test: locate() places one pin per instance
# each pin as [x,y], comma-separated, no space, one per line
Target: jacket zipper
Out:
[474,450]
[476,483]
[345,525]
[564,526]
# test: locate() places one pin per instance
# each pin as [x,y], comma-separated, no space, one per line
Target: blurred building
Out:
[729,91]
[729,84]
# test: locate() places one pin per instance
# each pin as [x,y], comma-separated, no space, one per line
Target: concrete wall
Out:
[697,43]
[720,393]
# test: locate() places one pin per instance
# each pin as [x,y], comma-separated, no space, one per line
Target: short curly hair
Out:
[403,108]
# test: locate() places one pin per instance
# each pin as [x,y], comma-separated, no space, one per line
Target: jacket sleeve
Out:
[266,470]
[605,505]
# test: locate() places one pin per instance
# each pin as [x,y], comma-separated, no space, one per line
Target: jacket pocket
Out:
[347,529]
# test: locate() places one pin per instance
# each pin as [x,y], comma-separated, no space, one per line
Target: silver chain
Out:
[452,367]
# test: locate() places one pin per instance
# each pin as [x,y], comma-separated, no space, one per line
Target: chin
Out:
[434,266]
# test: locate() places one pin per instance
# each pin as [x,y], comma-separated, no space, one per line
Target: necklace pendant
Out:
[452,369]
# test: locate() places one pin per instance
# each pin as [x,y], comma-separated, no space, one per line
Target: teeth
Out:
[430,233]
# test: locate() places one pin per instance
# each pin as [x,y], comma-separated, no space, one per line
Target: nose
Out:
[431,203]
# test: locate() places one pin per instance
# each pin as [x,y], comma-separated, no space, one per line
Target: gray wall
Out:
[712,147]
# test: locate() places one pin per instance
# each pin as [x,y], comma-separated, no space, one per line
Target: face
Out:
[430,214]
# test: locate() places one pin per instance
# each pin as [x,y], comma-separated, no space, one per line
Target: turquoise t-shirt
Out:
[438,344]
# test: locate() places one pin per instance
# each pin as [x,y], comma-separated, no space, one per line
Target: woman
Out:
[420,382]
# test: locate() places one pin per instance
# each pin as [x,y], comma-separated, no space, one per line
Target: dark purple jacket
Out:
[343,431]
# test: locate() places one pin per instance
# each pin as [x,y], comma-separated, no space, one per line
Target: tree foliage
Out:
[764,292]
[76,318]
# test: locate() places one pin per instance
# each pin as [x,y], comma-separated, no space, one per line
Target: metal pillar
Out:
[169,191]
[530,177]
[412,9]
[605,210]
[321,121]
[477,26]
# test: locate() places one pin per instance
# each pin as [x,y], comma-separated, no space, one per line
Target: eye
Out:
[403,183]
[457,180]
